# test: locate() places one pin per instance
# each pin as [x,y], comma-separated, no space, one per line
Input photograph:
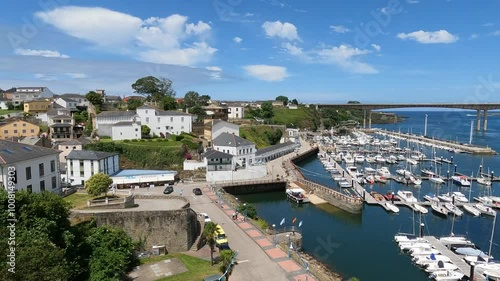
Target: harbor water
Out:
[362,246]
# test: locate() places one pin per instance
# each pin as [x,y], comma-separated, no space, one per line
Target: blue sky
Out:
[329,51]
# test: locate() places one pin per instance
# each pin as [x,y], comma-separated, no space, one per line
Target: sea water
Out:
[362,245]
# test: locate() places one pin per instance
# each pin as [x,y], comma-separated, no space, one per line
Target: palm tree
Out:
[209,234]
[226,257]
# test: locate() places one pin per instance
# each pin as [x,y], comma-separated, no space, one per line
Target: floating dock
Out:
[455,259]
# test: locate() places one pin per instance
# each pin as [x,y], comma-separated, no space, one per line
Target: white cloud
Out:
[281,30]
[495,33]
[429,37]
[45,77]
[344,56]
[413,1]
[169,40]
[266,72]
[215,72]
[488,24]
[339,28]
[293,49]
[248,15]
[41,53]
[76,75]
[376,47]
[237,39]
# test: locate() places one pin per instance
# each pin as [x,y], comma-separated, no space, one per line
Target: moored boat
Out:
[447,275]
[472,210]
[439,209]
[391,207]
[420,208]
[461,180]
[453,209]
[297,195]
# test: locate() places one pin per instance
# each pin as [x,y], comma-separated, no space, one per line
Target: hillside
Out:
[262,135]
[302,117]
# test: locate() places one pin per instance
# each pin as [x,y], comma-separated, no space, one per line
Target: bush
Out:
[177,138]
[142,140]
[105,138]
[135,140]
[126,140]
[251,212]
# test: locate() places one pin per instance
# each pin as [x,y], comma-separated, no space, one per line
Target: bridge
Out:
[368,107]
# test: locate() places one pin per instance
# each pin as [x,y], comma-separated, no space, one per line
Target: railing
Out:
[240,183]
[336,194]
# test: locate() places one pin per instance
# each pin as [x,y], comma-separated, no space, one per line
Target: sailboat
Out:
[481,179]
[478,253]
[471,209]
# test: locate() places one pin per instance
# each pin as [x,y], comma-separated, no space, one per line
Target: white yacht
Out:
[436,179]
[404,172]
[455,240]
[445,197]
[411,246]
[423,251]
[384,172]
[420,208]
[379,159]
[483,181]
[459,197]
[440,266]
[485,210]
[407,196]
[359,158]
[391,207]
[471,209]
[432,258]
[453,209]
[370,170]
[431,198]
[461,180]
[411,161]
[447,275]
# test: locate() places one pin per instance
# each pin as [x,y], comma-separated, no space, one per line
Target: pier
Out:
[455,259]
[473,149]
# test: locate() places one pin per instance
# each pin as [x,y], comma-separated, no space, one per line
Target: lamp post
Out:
[274,230]
[289,244]
[245,216]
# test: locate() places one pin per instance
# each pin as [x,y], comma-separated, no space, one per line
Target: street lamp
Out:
[274,230]
[288,236]
[245,216]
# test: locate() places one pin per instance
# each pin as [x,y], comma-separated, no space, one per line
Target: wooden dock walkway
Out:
[455,259]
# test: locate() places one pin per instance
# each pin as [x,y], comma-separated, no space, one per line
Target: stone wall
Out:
[256,187]
[177,229]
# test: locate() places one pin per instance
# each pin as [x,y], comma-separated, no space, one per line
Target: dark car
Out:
[197,191]
[169,189]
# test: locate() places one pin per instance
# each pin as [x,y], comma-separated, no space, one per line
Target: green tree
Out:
[94,98]
[248,210]
[204,99]
[134,103]
[198,111]
[209,236]
[266,110]
[191,99]
[154,89]
[112,253]
[81,117]
[145,130]
[283,99]
[10,105]
[169,103]
[227,262]
[98,184]
[295,101]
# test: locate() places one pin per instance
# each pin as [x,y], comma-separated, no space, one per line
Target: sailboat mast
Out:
[492,232]
[470,136]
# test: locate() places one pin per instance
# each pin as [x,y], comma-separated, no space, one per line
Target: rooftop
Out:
[163,112]
[124,123]
[116,113]
[274,147]
[130,173]
[13,152]
[71,142]
[215,154]
[89,155]
[226,139]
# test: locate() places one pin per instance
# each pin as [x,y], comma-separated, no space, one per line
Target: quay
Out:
[473,149]
[455,259]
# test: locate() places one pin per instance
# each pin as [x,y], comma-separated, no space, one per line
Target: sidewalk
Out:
[293,270]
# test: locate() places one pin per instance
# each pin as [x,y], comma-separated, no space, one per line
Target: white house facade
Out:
[235,111]
[242,149]
[80,100]
[126,130]
[106,119]
[82,164]
[66,147]
[35,168]
[23,94]
[165,122]
[66,102]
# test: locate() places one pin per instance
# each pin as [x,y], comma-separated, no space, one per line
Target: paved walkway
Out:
[292,269]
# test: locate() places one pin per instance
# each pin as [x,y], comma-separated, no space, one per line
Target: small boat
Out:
[297,195]
[453,209]
[467,251]
[370,179]
[483,181]
[459,197]
[414,180]
[370,170]
[404,172]
[379,159]
[423,251]
[484,200]
[389,196]
[377,196]
[344,184]
[402,237]
[391,207]
[493,274]
[472,210]
[431,197]
[432,258]
[411,246]
[461,180]
[384,172]
[407,196]
[400,180]
[420,208]
[359,158]
[477,259]
[436,179]
[447,275]
[440,266]
[411,161]
[440,210]
[485,210]
[380,179]
[445,197]
[456,241]
[427,173]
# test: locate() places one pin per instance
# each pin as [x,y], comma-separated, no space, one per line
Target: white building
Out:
[36,168]
[66,102]
[80,100]
[242,149]
[82,164]
[219,127]
[293,135]
[66,147]
[126,130]
[159,121]
[235,111]
[165,122]
[218,161]
[23,94]
[3,103]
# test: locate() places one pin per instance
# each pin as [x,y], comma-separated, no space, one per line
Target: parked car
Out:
[205,217]
[168,189]
[197,191]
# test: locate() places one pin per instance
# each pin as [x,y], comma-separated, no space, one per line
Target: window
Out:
[182,127]
[24,124]
[52,166]
[66,147]
[182,119]
[237,109]
[159,119]
[15,124]
[146,112]
[171,119]
[24,131]
[41,172]
[54,182]
[42,185]
[5,131]
[147,119]
[15,131]
[136,129]
[29,188]
[28,173]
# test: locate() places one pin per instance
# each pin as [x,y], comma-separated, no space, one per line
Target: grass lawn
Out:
[301,117]
[6,111]
[197,268]
[78,200]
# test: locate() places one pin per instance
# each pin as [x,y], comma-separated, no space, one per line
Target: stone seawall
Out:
[177,229]
[255,187]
